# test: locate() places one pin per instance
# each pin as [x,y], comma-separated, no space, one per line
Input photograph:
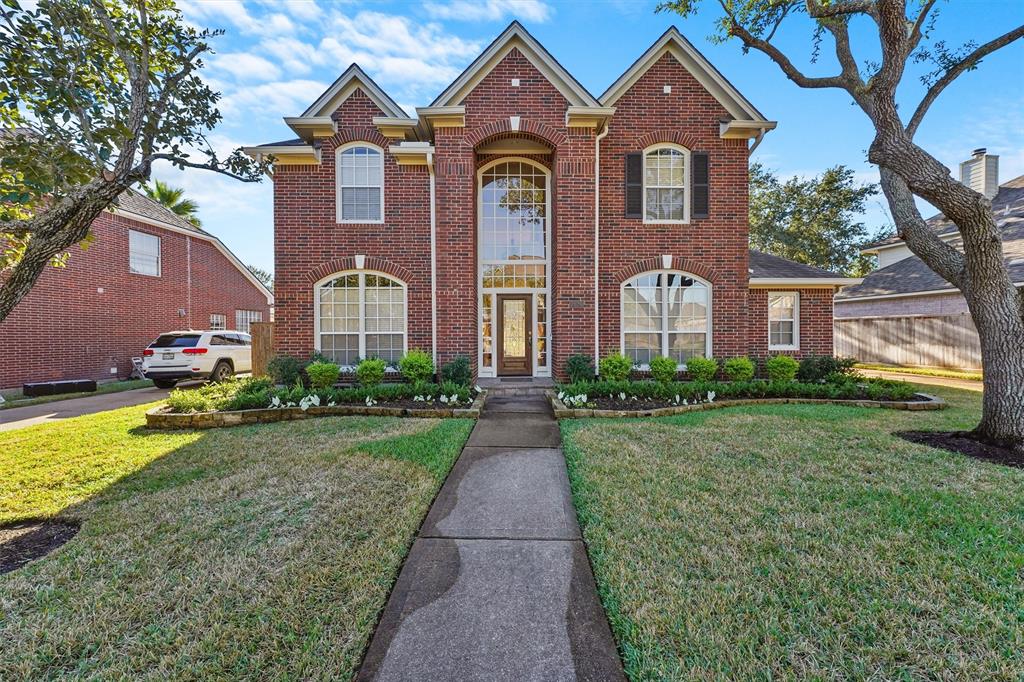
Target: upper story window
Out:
[665,186]
[513,213]
[666,313]
[360,169]
[784,320]
[143,253]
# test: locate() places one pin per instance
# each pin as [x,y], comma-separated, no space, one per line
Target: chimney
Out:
[981,172]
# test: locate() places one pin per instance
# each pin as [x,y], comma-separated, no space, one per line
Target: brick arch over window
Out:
[484,159]
[679,137]
[371,135]
[656,263]
[373,263]
[527,128]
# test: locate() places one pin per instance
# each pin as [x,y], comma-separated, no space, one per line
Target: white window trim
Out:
[337,183]
[222,320]
[492,371]
[361,334]
[664,314]
[686,183]
[159,254]
[796,320]
[251,316]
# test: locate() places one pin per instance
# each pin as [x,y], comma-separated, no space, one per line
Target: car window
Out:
[221,340]
[176,341]
[245,339]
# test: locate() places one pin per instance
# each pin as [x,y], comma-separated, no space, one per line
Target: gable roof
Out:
[768,270]
[673,43]
[353,77]
[516,36]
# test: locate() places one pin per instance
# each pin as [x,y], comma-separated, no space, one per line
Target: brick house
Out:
[519,220]
[148,271]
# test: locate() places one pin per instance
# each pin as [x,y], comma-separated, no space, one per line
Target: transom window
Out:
[665,185]
[361,315]
[360,170]
[784,320]
[143,253]
[513,212]
[666,313]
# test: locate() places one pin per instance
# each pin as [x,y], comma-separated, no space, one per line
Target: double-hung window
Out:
[665,313]
[360,171]
[143,253]
[218,321]
[665,172]
[784,320]
[361,315]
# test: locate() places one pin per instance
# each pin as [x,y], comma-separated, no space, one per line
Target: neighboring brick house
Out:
[519,220]
[904,313]
[147,271]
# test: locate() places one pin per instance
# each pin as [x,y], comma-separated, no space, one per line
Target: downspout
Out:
[597,247]
[433,260]
[188,279]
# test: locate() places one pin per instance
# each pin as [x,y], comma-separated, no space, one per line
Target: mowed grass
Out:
[252,552]
[802,542]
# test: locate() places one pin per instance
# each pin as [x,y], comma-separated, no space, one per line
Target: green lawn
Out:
[252,552]
[924,371]
[802,542]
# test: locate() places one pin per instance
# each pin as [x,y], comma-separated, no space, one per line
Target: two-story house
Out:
[519,220]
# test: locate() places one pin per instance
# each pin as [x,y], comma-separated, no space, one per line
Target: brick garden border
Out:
[562,412]
[160,418]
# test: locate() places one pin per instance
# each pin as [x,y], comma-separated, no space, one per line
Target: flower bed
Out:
[647,398]
[250,401]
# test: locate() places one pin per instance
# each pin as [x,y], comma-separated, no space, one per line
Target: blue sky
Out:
[277,56]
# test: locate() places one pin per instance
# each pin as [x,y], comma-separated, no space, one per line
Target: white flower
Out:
[370,402]
[677,398]
[443,399]
[308,401]
[561,395]
[454,398]
[275,402]
[711,396]
[685,401]
[331,404]
[622,396]
[478,389]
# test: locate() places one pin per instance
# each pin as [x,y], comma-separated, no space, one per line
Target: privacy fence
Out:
[919,341]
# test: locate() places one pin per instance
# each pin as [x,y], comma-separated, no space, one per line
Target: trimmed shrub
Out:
[322,374]
[370,371]
[663,369]
[739,369]
[817,368]
[416,366]
[579,367]
[284,369]
[702,369]
[616,367]
[220,396]
[458,371]
[781,368]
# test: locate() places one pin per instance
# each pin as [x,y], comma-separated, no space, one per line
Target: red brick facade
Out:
[515,100]
[91,317]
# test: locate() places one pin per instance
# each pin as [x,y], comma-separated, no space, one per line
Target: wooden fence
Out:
[924,341]
[262,346]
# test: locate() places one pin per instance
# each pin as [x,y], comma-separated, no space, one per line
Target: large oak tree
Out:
[92,94]
[905,168]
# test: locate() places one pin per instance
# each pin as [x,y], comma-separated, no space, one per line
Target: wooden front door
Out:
[515,335]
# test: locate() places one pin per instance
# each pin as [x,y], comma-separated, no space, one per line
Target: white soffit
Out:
[693,61]
[515,36]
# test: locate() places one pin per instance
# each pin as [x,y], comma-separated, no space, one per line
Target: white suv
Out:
[213,355]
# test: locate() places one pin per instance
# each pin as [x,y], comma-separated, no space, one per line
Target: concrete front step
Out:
[510,387]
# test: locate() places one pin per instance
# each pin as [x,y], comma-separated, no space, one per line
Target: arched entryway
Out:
[514,237]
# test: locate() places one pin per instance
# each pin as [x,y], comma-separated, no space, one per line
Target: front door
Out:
[515,337]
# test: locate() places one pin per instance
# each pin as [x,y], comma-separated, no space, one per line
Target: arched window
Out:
[360,174]
[665,185]
[360,315]
[666,312]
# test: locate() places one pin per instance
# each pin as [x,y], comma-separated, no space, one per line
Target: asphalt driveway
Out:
[20,417]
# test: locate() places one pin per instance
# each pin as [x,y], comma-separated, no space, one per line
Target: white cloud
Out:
[296,56]
[276,99]
[246,67]
[491,10]
[236,14]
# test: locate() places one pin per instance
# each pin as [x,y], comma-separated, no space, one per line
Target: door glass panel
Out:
[514,328]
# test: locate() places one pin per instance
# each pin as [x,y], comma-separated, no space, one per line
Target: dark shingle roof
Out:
[766,265]
[135,202]
[911,275]
[294,142]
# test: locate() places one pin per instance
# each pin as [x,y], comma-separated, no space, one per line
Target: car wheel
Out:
[164,383]
[221,372]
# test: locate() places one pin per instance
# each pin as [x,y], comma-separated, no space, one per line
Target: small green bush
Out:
[216,397]
[284,369]
[739,369]
[781,368]
[664,369]
[818,368]
[322,374]
[416,366]
[458,371]
[370,371]
[616,367]
[579,367]
[702,369]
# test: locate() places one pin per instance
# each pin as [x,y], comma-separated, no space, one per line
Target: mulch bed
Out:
[630,404]
[412,404]
[960,442]
[26,541]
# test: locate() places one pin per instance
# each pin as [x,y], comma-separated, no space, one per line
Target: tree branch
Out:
[210,166]
[794,74]
[840,9]
[957,70]
[917,31]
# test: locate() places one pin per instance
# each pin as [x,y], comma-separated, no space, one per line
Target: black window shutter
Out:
[634,185]
[701,186]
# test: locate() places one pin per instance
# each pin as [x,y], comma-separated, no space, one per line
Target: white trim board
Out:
[352,78]
[803,282]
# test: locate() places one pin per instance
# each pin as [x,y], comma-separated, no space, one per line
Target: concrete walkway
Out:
[498,586]
[20,417]
[964,384]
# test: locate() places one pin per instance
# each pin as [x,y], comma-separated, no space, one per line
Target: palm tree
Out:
[173,199]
